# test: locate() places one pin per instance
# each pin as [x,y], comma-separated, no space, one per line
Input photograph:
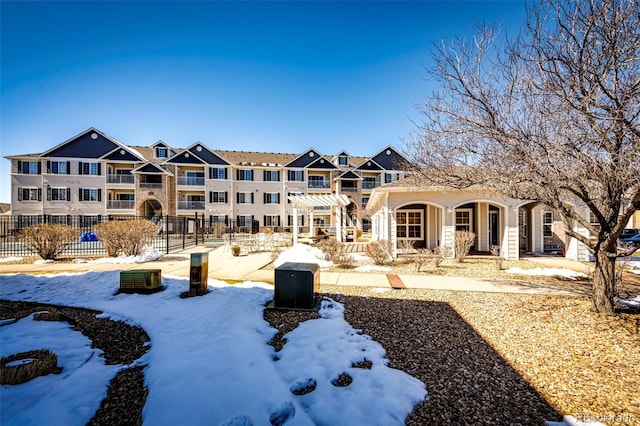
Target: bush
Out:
[463,242]
[235,250]
[495,251]
[127,236]
[218,229]
[48,240]
[358,233]
[331,248]
[345,261]
[40,363]
[379,251]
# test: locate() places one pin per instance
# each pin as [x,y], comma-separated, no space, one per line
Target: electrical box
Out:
[198,274]
[141,281]
[296,286]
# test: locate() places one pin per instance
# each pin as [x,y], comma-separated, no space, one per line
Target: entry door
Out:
[494,230]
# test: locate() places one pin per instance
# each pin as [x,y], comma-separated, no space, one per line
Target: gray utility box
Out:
[198,274]
[296,286]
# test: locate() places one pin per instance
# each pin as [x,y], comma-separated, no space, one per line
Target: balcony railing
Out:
[349,189]
[121,204]
[120,179]
[190,205]
[370,184]
[322,208]
[150,185]
[190,180]
[319,184]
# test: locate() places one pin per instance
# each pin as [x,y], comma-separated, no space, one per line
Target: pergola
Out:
[311,201]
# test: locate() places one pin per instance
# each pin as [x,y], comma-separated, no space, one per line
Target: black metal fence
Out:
[173,232]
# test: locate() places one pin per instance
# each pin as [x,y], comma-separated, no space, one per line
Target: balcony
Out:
[150,185]
[190,205]
[121,179]
[190,181]
[121,204]
[370,184]
[349,189]
[319,184]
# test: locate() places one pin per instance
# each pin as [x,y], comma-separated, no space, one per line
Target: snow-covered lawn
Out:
[209,360]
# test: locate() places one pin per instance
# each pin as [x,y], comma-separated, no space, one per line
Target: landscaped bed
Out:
[484,358]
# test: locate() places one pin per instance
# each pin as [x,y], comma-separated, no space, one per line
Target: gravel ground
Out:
[485,358]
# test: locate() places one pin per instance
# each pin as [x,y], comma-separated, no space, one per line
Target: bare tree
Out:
[551,115]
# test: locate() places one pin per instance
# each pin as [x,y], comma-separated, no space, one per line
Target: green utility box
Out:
[141,281]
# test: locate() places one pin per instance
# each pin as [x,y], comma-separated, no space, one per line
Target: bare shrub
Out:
[331,248]
[345,260]
[217,230]
[110,235]
[126,236]
[406,246]
[358,233]
[379,251]
[420,258]
[48,240]
[439,254]
[463,242]
[497,257]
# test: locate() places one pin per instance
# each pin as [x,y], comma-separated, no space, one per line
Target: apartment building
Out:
[93,174]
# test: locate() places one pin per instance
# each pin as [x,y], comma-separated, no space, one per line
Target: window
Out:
[90,194]
[89,169]
[195,198]
[365,200]
[61,219]
[463,220]
[409,224]
[272,176]
[316,182]
[218,173]
[547,224]
[295,175]
[272,198]
[370,183]
[219,197]
[29,167]
[388,177]
[29,194]
[58,194]
[290,220]
[272,220]
[195,178]
[162,152]
[343,160]
[125,197]
[245,220]
[319,221]
[522,222]
[244,197]
[244,174]
[59,167]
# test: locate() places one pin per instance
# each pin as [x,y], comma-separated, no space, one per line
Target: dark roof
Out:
[390,159]
[304,159]
[90,144]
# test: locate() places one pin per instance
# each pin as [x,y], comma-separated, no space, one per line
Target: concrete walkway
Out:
[224,266]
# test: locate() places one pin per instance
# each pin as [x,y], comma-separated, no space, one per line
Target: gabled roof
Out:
[349,175]
[91,143]
[185,157]
[304,159]
[123,154]
[206,154]
[390,159]
[369,165]
[322,163]
[152,168]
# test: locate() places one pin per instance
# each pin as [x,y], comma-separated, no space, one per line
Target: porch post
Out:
[392,231]
[311,222]
[339,223]
[295,225]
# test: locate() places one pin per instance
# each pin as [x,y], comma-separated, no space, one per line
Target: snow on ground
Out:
[147,254]
[370,268]
[209,360]
[549,272]
[303,253]
[10,259]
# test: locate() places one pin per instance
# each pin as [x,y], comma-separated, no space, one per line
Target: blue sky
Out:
[256,76]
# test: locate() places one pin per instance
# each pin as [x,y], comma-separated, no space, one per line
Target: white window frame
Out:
[32,194]
[59,191]
[59,168]
[219,197]
[272,220]
[547,226]
[271,175]
[468,226]
[90,192]
[272,198]
[407,224]
[245,197]
[295,174]
[244,175]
